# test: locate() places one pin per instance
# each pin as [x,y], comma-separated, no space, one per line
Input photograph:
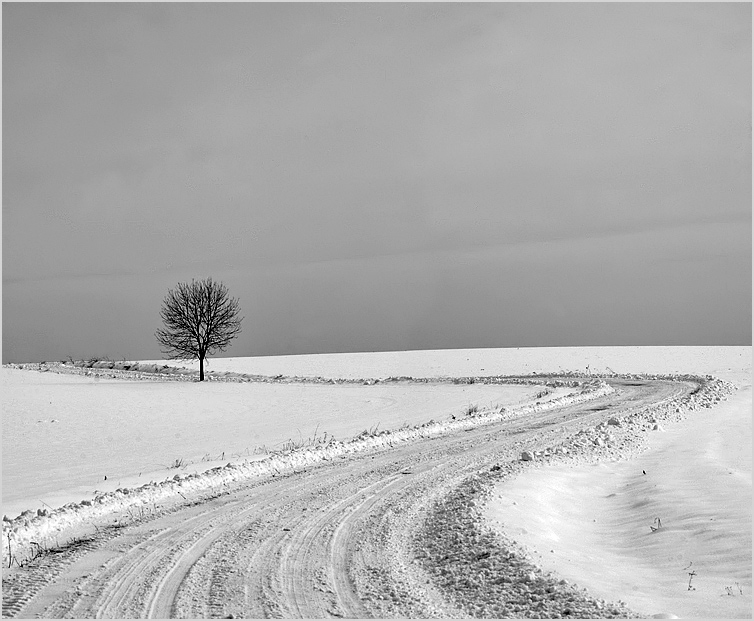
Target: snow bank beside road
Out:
[489,574]
[45,527]
[591,520]
[66,429]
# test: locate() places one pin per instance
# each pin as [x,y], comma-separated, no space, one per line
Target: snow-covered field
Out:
[62,434]
[471,362]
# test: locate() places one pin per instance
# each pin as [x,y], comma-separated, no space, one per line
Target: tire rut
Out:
[328,541]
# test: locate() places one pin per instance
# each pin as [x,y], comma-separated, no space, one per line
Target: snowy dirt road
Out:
[356,536]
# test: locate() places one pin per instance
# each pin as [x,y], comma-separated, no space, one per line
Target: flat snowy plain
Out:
[63,434]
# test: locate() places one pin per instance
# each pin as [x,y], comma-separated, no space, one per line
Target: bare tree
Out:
[200,319]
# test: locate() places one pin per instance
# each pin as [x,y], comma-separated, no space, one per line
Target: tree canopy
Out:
[200,318]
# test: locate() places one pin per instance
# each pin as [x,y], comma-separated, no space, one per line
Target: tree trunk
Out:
[201,368]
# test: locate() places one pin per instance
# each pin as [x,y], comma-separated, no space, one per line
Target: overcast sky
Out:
[377,176]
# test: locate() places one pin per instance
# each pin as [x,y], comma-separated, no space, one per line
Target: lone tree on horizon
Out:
[200,319]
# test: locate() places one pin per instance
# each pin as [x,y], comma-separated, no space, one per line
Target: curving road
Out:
[333,540]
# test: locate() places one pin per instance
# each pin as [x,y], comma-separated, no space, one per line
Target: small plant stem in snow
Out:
[691,576]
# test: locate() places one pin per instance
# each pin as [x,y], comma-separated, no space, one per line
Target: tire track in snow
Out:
[305,553]
[306,533]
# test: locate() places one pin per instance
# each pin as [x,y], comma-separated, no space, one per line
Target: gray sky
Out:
[377,176]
